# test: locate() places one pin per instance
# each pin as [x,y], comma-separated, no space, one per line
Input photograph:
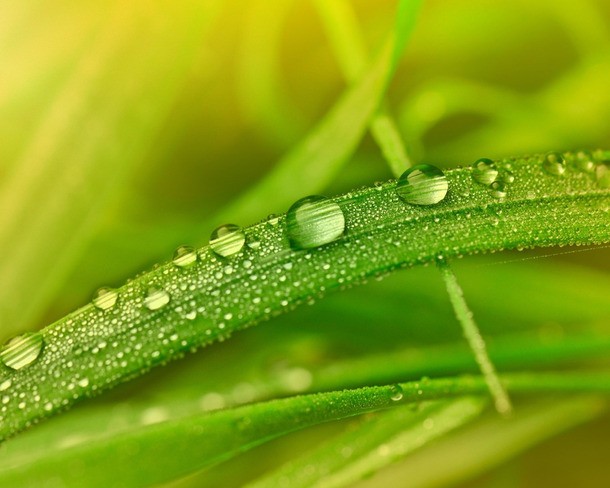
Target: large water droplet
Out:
[156,299]
[105,298]
[22,350]
[227,240]
[497,189]
[184,256]
[484,171]
[313,221]
[423,184]
[554,163]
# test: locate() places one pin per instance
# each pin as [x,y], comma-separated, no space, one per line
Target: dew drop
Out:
[156,299]
[227,240]
[105,298]
[22,350]
[396,393]
[184,256]
[313,221]
[5,385]
[484,171]
[497,189]
[507,177]
[554,163]
[423,184]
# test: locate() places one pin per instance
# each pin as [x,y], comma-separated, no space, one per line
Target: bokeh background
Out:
[126,126]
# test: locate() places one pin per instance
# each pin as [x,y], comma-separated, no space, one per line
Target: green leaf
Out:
[98,348]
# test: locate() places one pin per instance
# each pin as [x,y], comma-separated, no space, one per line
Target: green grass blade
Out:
[474,339]
[485,445]
[370,447]
[98,128]
[178,437]
[97,349]
[349,48]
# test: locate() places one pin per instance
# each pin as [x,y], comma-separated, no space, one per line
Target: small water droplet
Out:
[227,240]
[314,221]
[105,298]
[396,393]
[83,382]
[156,299]
[5,385]
[423,184]
[497,189]
[184,256]
[22,350]
[484,171]
[507,177]
[554,163]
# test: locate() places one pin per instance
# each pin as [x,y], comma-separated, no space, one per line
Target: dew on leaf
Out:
[156,299]
[484,171]
[554,163]
[497,189]
[105,298]
[314,221]
[22,350]
[227,240]
[184,256]
[423,184]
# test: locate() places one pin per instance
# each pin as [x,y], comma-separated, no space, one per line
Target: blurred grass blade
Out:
[260,88]
[346,41]
[475,340]
[96,131]
[481,447]
[369,447]
[157,442]
[318,157]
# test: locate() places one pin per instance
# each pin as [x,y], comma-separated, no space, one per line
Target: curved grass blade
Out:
[171,310]
[175,439]
[71,168]
[319,156]
[382,440]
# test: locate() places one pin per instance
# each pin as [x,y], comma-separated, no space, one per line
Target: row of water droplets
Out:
[309,223]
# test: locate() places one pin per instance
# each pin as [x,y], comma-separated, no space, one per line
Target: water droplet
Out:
[396,393]
[313,221]
[497,189]
[83,382]
[227,240]
[105,298]
[484,171]
[423,184]
[554,163]
[156,299]
[5,385]
[507,177]
[184,256]
[22,350]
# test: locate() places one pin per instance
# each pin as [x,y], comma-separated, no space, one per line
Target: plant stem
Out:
[475,340]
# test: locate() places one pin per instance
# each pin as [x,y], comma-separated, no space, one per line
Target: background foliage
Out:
[128,127]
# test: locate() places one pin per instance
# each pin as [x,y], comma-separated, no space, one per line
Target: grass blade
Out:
[209,300]
[370,447]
